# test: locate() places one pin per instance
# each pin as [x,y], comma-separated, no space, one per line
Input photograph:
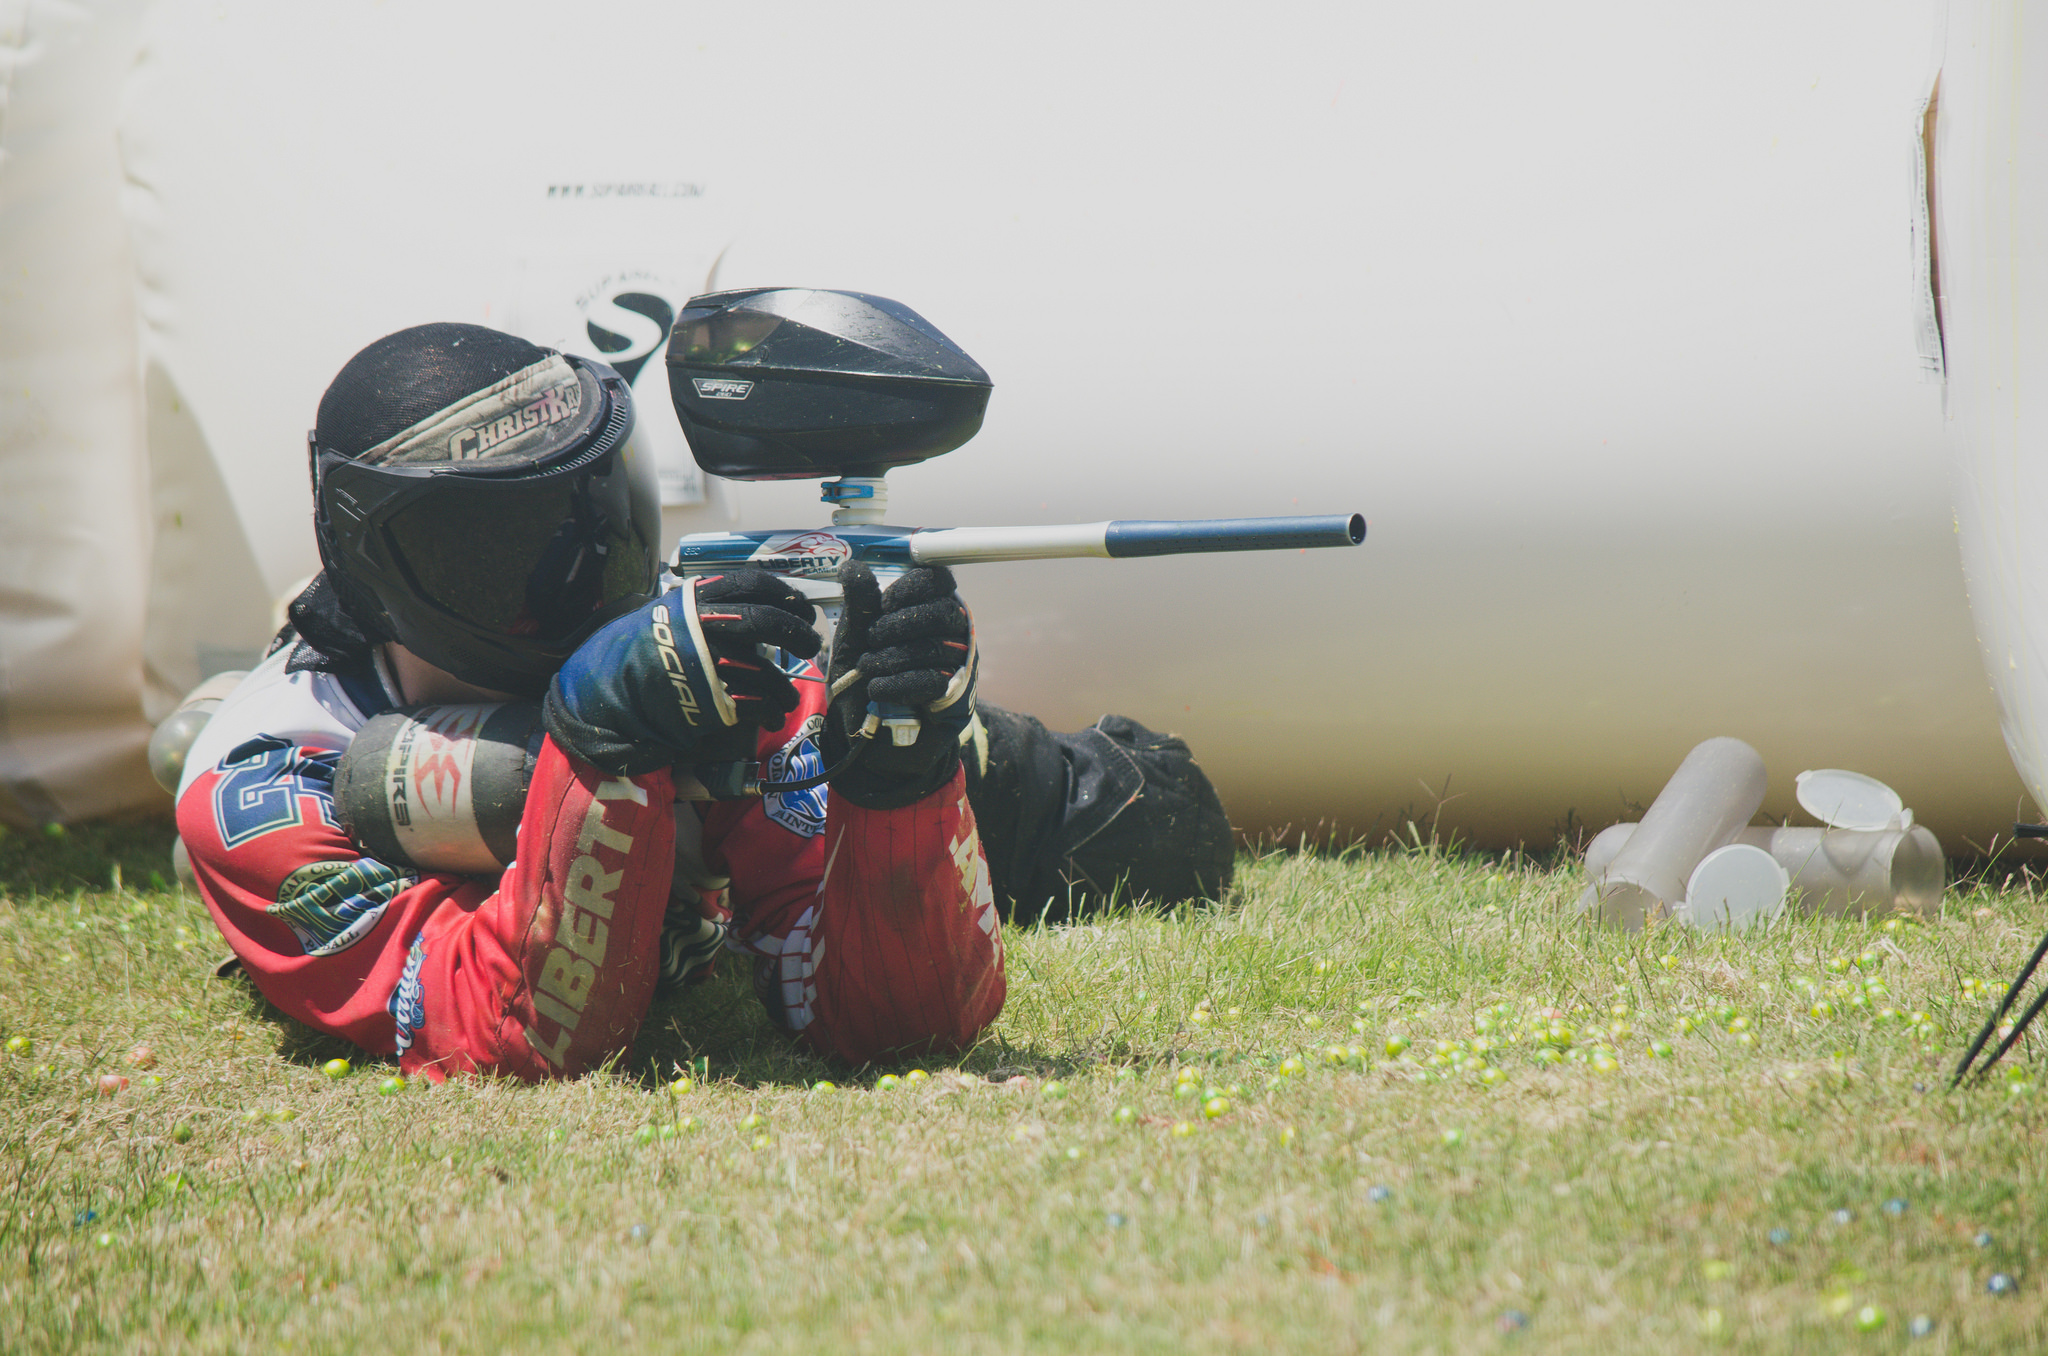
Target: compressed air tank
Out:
[176,733]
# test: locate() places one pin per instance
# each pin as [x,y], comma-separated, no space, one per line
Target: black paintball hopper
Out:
[798,383]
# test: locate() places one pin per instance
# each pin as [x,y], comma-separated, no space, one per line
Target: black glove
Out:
[650,687]
[912,647]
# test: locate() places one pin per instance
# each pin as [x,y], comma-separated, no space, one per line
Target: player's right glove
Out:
[650,687]
[908,652]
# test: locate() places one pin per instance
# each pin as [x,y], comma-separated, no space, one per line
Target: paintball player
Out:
[488,535]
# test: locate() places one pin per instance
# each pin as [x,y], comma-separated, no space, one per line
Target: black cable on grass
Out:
[2004,1005]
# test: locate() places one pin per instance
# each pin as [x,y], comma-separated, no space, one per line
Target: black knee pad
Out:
[1071,820]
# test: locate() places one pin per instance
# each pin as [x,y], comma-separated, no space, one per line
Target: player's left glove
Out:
[655,685]
[907,653]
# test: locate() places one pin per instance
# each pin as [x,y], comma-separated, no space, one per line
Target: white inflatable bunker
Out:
[1602,316]
[74,524]
[1985,142]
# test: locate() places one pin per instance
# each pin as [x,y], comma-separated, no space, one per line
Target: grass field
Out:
[1525,1176]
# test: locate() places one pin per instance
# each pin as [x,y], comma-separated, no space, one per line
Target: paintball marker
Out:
[796,383]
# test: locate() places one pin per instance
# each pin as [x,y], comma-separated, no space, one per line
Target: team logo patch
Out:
[801,812]
[268,784]
[408,1007]
[330,906]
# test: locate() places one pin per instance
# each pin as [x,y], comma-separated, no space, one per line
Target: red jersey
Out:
[872,931]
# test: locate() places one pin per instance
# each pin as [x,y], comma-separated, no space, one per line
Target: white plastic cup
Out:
[1736,887]
[1707,802]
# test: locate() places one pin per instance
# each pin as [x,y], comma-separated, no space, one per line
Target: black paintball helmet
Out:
[476,500]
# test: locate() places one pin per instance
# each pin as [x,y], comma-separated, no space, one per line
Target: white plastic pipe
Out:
[1834,871]
[1707,802]
[974,545]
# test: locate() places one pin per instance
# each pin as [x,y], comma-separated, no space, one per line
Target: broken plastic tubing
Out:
[1871,857]
[1707,802]
[1894,866]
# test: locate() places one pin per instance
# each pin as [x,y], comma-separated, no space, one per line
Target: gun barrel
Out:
[1141,538]
[1133,537]
[816,554]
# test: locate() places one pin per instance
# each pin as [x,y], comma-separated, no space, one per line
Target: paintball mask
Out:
[477,501]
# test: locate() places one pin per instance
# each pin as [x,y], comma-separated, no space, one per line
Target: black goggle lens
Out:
[533,562]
